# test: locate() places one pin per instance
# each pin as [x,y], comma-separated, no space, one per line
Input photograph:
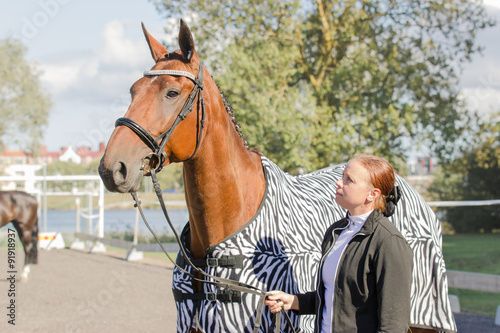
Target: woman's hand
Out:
[276,300]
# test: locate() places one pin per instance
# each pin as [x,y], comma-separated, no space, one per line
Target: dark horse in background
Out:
[21,209]
[225,181]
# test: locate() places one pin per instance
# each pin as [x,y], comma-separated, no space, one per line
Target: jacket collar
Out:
[367,228]
[371,222]
[341,224]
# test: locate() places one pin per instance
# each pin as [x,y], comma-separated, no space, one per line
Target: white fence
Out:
[463,203]
[42,193]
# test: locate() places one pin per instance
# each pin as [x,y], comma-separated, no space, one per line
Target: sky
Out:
[90,52]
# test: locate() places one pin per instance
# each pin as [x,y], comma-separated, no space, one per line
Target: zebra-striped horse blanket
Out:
[279,249]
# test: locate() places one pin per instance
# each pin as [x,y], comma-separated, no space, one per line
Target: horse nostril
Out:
[120,173]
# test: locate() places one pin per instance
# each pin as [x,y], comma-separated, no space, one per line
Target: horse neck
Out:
[224,184]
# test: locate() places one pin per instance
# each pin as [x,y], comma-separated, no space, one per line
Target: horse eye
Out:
[171,94]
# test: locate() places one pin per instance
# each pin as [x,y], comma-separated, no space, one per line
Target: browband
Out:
[170,72]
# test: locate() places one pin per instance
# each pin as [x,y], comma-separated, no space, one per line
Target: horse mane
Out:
[237,126]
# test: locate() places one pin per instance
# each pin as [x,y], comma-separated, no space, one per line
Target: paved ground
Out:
[76,292]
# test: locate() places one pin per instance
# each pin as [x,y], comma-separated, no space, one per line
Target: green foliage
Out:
[129,237]
[70,168]
[24,107]
[315,82]
[170,178]
[473,176]
[284,126]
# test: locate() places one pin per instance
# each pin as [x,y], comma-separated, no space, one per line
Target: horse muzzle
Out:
[120,176]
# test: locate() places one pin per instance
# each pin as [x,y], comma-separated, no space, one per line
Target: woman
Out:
[365,272]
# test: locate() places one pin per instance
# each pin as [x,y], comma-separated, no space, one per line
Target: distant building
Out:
[420,173]
[422,166]
[69,155]
[80,155]
[88,156]
[9,157]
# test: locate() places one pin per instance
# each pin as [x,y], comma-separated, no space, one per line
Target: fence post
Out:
[497,317]
[133,254]
[454,303]
[77,244]
[98,246]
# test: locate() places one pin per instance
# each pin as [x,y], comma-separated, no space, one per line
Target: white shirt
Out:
[331,264]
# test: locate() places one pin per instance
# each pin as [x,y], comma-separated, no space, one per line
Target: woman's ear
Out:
[373,194]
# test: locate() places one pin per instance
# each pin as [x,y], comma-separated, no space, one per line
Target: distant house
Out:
[24,164]
[88,156]
[79,155]
[421,172]
[9,157]
[422,166]
[69,155]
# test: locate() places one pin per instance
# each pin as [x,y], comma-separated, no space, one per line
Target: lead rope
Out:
[219,282]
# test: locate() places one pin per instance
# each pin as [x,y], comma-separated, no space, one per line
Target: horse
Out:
[21,209]
[248,220]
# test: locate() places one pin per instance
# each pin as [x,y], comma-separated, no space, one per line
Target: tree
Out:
[473,176]
[70,168]
[170,179]
[24,107]
[334,78]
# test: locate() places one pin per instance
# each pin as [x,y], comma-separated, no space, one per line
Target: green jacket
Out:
[373,282]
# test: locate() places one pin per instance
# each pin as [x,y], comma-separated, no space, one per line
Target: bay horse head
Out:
[159,127]
[177,114]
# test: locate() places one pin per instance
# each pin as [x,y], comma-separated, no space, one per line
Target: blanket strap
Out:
[224,262]
[225,296]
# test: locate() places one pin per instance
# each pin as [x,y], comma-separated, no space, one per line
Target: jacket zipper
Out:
[322,261]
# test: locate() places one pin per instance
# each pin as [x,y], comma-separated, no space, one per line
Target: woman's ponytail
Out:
[392,200]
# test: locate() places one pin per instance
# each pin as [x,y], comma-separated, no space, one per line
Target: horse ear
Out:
[186,41]
[158,51]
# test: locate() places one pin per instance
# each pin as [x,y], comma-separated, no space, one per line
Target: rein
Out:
[218,281]
[157,146]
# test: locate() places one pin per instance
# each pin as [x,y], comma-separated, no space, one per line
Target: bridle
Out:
[157,146]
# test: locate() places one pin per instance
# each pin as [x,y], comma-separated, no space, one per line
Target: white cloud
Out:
[91,85]
[482,99]
[100,74]
[120,50]
[480,80]
[492,3]
[59,77]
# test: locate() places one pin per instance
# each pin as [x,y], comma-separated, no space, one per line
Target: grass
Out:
[479,253]
[477,301]
[158,255]
[113,198]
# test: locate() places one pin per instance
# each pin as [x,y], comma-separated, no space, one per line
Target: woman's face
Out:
[354,190]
